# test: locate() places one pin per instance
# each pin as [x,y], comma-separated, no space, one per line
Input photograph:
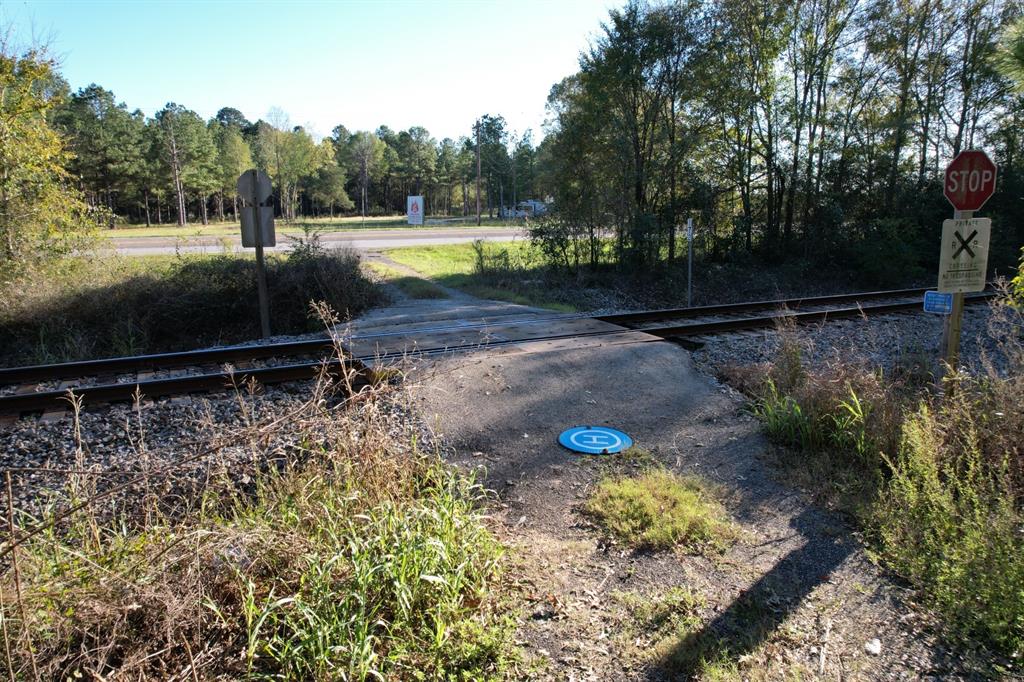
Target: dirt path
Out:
[398,295]
[794,598]
[459,308]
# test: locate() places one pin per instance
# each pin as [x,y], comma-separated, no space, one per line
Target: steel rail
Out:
[700,311]
[226,354]
[152,388]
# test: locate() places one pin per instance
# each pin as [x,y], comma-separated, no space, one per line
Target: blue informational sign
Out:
[934,302]
[595,440]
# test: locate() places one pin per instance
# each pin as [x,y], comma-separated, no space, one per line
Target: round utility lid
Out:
[595,440]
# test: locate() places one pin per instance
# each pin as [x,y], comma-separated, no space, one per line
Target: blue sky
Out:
[362,64]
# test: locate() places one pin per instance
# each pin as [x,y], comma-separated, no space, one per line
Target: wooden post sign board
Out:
[963,256]
[254,189]
[414,210]
[963,259]
[258,231]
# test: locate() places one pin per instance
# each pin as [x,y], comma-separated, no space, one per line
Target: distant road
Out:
[363,240]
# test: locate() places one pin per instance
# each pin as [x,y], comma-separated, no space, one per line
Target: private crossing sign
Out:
[254,189]
[257,220]
[964,255]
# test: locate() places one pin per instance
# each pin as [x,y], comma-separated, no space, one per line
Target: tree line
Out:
[811,128]
[177,167]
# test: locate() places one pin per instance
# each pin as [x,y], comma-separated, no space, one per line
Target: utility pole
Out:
[478,172]
[515,144]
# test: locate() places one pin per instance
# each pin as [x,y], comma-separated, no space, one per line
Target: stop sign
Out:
[970,180]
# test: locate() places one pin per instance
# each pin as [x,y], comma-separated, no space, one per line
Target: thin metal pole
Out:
[478,172]
[261,273]
[689,262]
[954,321]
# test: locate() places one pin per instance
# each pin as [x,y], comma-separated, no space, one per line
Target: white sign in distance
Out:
[963,259]
[414,210]
[254,186]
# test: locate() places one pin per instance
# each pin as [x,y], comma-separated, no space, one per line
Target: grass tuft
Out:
[660,510]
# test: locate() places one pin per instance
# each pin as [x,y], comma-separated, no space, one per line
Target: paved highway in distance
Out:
[363,240]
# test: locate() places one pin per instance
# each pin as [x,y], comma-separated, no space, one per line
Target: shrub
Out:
[935,478]
[84,309]
[949,519]
[888,254]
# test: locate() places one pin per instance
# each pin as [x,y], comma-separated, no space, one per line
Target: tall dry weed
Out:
[341,549]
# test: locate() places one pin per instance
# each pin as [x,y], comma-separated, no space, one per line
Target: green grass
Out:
[660,510]
[414,287]
[231,229]
[358,558]
[454,261]
[458,266]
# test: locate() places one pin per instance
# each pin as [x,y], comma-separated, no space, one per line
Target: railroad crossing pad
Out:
[501,329]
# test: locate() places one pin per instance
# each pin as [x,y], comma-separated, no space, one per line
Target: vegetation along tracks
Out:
[46,387]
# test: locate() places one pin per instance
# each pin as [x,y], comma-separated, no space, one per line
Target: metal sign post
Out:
[258,231]
[963,261]
[689,262]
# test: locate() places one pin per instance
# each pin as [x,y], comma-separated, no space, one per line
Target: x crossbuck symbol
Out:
[964,243]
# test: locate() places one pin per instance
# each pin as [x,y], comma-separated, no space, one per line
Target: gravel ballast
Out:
[886,341]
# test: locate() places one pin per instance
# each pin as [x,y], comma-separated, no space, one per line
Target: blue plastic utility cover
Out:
[595,440]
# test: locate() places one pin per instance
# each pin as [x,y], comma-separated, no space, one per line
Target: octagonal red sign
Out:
[970,180]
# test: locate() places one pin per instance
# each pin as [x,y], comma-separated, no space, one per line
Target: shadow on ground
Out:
[756,614]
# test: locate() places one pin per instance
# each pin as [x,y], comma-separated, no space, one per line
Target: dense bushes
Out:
[950,513]
[83,309]
[936,478]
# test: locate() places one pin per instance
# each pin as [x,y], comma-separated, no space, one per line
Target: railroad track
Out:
[45,387]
